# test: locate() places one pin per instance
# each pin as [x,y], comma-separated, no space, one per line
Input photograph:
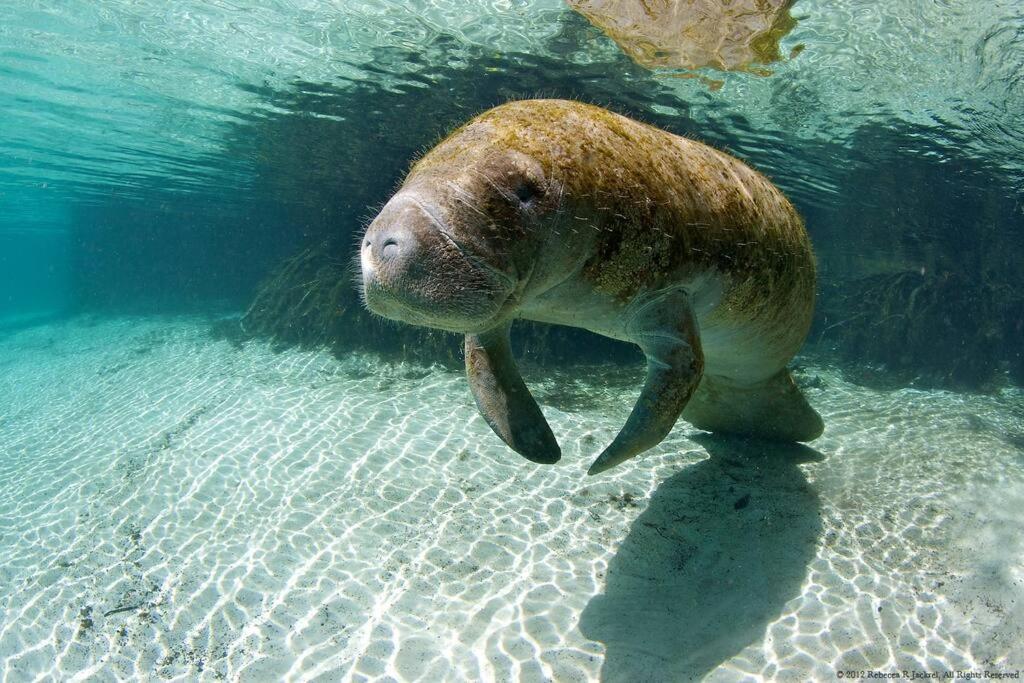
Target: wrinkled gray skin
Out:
[484,231]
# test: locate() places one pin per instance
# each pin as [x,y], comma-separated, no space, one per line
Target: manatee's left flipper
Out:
[666,331]
[503,398]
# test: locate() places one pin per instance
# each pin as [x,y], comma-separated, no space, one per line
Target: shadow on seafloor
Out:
[719,551]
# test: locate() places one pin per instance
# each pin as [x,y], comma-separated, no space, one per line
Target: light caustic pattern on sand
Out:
[171,506]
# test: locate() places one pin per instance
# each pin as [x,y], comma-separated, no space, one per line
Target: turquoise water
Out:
[320,500]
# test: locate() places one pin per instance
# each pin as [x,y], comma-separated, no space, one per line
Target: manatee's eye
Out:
[526,191]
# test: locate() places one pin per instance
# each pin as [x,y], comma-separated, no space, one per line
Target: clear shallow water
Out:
[176,507]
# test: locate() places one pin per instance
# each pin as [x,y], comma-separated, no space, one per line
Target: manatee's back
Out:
[671,209]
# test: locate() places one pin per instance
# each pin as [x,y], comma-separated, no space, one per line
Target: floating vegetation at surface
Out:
[742,35]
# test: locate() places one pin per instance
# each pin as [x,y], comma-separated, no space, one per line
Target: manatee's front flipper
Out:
[666,331]
[503,399]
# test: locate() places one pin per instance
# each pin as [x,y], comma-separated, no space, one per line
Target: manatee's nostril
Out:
[391,243]
[389,248]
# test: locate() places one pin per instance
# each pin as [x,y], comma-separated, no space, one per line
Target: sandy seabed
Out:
[173,507]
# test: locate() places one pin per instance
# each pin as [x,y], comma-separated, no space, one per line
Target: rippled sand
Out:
[174,507]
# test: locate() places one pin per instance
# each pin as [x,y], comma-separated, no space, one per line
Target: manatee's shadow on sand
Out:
[719,551]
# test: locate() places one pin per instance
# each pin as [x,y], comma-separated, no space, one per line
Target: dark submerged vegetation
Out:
[929,330]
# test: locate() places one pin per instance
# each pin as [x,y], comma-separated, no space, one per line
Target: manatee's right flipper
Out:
[772,409]
[503,398]
[666,331]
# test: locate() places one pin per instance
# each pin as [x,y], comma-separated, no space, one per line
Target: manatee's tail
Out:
[772,409]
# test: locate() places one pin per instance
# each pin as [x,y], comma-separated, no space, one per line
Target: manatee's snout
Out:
[396,249]
[389,245]
[415,270]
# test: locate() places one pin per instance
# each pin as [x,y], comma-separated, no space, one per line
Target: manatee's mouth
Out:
[468,302]
[393,304]
[380,300]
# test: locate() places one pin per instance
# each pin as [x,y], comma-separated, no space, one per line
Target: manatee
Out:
[566,213]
